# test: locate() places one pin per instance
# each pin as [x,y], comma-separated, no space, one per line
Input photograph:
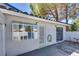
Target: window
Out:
[34,31]
[21,28]
[28,29]
[15,31]
[22,31]
[15,27]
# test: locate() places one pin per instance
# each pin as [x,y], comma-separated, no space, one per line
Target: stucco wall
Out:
[50,29]
[15,47]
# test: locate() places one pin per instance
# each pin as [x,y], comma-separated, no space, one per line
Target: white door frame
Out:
[3,39]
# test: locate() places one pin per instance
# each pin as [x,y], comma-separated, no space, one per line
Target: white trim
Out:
[3,39]
[4,50]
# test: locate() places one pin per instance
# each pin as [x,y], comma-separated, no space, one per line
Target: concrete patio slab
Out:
[60,49]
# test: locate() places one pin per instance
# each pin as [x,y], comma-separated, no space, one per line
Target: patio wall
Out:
[72,35]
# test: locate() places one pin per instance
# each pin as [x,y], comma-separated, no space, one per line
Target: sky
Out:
[70,21]
[22,6]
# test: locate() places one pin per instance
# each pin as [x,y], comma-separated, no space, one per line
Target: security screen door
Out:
[59,34]
[41,36]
